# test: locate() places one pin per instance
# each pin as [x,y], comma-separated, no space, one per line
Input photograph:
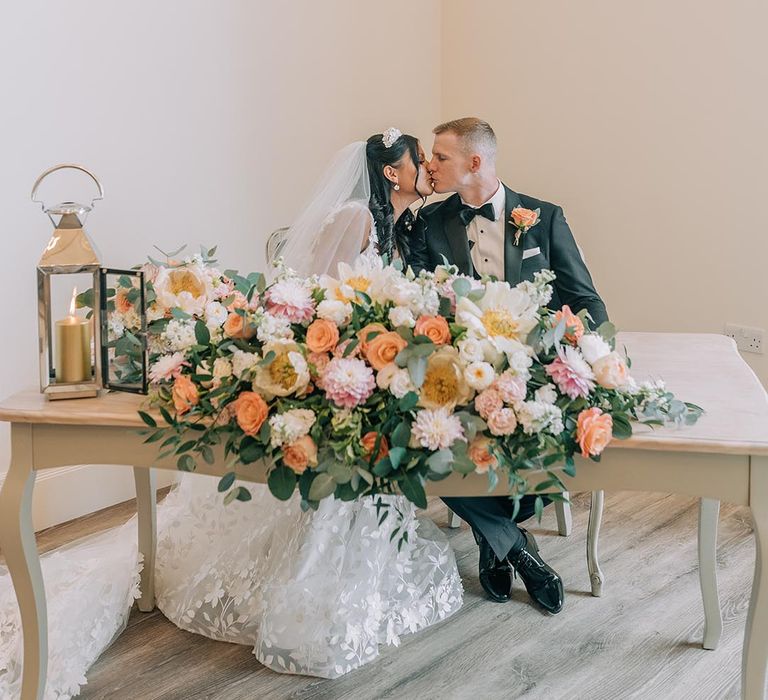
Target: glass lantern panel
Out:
[123,331]
[71,330]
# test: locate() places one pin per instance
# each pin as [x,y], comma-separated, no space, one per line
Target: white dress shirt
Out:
[486,238]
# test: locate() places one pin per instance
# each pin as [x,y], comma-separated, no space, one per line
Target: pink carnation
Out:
[348,382]
[502,422]
[511,387]
[488,401]
[291,299]
[571,373]
[167,367]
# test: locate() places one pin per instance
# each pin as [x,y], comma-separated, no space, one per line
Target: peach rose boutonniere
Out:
[523,220]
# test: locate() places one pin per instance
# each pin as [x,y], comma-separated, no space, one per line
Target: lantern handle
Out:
[73,166]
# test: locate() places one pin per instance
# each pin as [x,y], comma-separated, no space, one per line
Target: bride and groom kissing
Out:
[473,230]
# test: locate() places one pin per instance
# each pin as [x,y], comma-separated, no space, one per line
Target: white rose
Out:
[593,347]
[479,375]
[401,316]
[334,310]
[215,315]
[471,350]
[222,368]
[401,383]
[385,374]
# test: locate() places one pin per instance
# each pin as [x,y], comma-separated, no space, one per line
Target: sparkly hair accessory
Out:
[390,136]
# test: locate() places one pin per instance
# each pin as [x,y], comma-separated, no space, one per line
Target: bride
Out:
[312,592]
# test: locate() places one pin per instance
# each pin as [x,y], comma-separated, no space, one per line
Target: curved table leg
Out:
[17,540]
[146,510]
[564,518]
[754,659]
[593,536]
[709,510]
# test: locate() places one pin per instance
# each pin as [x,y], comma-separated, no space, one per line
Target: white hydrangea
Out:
[243,361]
[290,426]
[401,316]
[401,383]
[546,394]
[520,362]
[334,310]
[593,347]
[427,303]
[537,417]
[116,328]
[215,314]
[479,375]
[273,328]
[179,334]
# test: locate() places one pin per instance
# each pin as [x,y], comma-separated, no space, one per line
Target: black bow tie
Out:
[467,213]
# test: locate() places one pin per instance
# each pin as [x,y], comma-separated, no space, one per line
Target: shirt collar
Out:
[498,199]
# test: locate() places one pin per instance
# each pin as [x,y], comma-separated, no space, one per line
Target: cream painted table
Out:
[722,458]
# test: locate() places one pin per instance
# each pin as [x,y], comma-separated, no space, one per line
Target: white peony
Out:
[479,375]
[593,347]
[187,287]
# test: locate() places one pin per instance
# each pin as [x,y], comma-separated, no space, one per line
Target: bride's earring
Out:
[396,187]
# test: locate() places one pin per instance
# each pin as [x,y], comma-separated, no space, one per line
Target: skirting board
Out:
[70,492]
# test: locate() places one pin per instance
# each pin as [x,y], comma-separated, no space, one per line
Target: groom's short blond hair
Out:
[476,134]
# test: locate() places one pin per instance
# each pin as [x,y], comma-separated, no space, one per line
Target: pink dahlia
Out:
[571,372]
[437,428]
[348,382]
[291,299]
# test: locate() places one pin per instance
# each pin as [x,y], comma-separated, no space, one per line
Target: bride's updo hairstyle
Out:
[392,234]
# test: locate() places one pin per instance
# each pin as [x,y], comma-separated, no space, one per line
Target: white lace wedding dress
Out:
[312,592]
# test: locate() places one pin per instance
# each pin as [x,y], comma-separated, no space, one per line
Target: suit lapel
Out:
[513,254]
[456,234]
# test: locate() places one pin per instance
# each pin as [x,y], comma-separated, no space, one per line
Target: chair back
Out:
[276,242]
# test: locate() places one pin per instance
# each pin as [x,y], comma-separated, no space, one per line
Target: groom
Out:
[472,230]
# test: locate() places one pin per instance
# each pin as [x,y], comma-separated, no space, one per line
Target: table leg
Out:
[17,540]
[146,511]
[563,515]
[709,510]
[593,536]
[754,659]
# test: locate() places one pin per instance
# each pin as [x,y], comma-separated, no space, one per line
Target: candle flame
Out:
[72,303]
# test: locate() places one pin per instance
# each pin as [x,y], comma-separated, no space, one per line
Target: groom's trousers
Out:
[491,516]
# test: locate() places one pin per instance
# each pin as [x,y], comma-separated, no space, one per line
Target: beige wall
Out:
[206,122]
[647,123]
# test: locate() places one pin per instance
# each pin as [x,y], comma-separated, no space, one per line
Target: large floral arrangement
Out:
[378,380]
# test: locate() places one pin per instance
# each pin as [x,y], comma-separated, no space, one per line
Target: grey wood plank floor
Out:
[642,639]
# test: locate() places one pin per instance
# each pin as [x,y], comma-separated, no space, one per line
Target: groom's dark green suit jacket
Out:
[549,244]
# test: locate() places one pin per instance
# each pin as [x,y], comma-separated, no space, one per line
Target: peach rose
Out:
[573,324]
[384,348]
[363,334]
[121,301]
[435,328]
[502,421]
[479,452]
[594,430]
[251,411]
[322,335]
[184,393]
[368,441]
[235,327]
[611,371]
[300,454]
[239,301]
[524,218]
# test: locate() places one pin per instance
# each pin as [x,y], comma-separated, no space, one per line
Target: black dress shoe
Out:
[541,580]
[495,574]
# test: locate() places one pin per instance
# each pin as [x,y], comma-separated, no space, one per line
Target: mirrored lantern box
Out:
[91,319]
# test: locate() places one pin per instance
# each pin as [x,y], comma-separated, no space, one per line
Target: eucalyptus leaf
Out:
[281,482]
[417,368]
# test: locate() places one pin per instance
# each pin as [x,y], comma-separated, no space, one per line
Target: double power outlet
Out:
[747,339]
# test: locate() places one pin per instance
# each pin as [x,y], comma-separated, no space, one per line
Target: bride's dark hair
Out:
[393,235]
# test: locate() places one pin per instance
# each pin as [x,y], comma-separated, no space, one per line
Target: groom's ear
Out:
[474,163]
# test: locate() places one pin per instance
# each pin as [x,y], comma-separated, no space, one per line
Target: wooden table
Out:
[722,458]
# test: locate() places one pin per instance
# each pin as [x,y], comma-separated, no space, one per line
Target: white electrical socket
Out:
[747,339]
